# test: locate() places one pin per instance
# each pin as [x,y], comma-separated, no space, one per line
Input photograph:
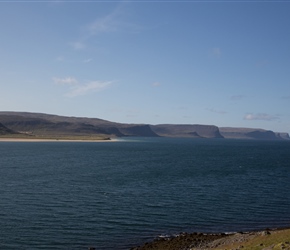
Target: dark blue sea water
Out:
[115,195]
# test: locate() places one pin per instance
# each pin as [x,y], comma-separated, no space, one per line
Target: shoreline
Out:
[55,140]
[268,239]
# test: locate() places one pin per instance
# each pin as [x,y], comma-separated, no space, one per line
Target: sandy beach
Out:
[54,140]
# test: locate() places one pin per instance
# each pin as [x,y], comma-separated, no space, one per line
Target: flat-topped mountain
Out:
[54,126]
[283,135]
[251,133]
[195,131]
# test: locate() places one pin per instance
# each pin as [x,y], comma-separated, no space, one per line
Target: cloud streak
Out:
[65,81]
[87,60]
[79,45]
[215,52]
[155,84]
[110,23]
[260,116]
[237,97]
[105,24]
[221,112]
[80,89]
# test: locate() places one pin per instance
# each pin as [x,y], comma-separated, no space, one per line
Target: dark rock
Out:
[6,131]
[252,133]
[194,131]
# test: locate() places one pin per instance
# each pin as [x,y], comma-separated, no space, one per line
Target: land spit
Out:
[54,140]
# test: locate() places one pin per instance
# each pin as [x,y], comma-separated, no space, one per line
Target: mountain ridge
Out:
[6,131]
[41,124]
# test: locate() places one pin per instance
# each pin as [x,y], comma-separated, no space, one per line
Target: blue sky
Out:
[225,63]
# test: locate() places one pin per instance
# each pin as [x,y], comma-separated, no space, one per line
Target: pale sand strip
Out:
[51,140]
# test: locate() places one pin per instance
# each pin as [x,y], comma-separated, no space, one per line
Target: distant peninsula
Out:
[46,126]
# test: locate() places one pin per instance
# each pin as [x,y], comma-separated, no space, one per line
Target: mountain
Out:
[37,124]
[194,131]
[251,133]
[6,131]
[54,126]
[283,136]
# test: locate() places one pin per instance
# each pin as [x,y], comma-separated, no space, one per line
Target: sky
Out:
[223,63]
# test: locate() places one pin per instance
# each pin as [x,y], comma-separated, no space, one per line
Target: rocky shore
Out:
[257,240]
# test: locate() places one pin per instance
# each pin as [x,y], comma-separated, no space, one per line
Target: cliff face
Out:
[5,131]
[251,133]
[138,130]
[53,125]
[48,125]
[194,131]
[284,136]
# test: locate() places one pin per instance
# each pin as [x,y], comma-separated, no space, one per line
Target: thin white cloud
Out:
[76,88]
[262,63]
[221,112]
[156,84]
[237,97]
[105,24]
[101,25]
[112,22]
[87,60]
[84,89]
[60,59]
[215,52]
[260,116]
[65,81]
[78,45]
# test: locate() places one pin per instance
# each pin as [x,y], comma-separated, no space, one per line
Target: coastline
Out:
[54,140]
[268,239]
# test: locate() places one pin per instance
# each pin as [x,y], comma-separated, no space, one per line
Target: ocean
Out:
[116,195]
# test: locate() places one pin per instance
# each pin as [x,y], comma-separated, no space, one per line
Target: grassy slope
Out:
[263,240]
[279,239]
[60,126]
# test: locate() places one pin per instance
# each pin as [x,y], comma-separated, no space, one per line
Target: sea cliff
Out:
[32,125]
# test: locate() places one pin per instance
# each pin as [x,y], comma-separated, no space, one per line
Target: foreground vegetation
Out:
[279,239]
[262,240]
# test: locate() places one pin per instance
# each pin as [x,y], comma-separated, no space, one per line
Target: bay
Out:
[115,195]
